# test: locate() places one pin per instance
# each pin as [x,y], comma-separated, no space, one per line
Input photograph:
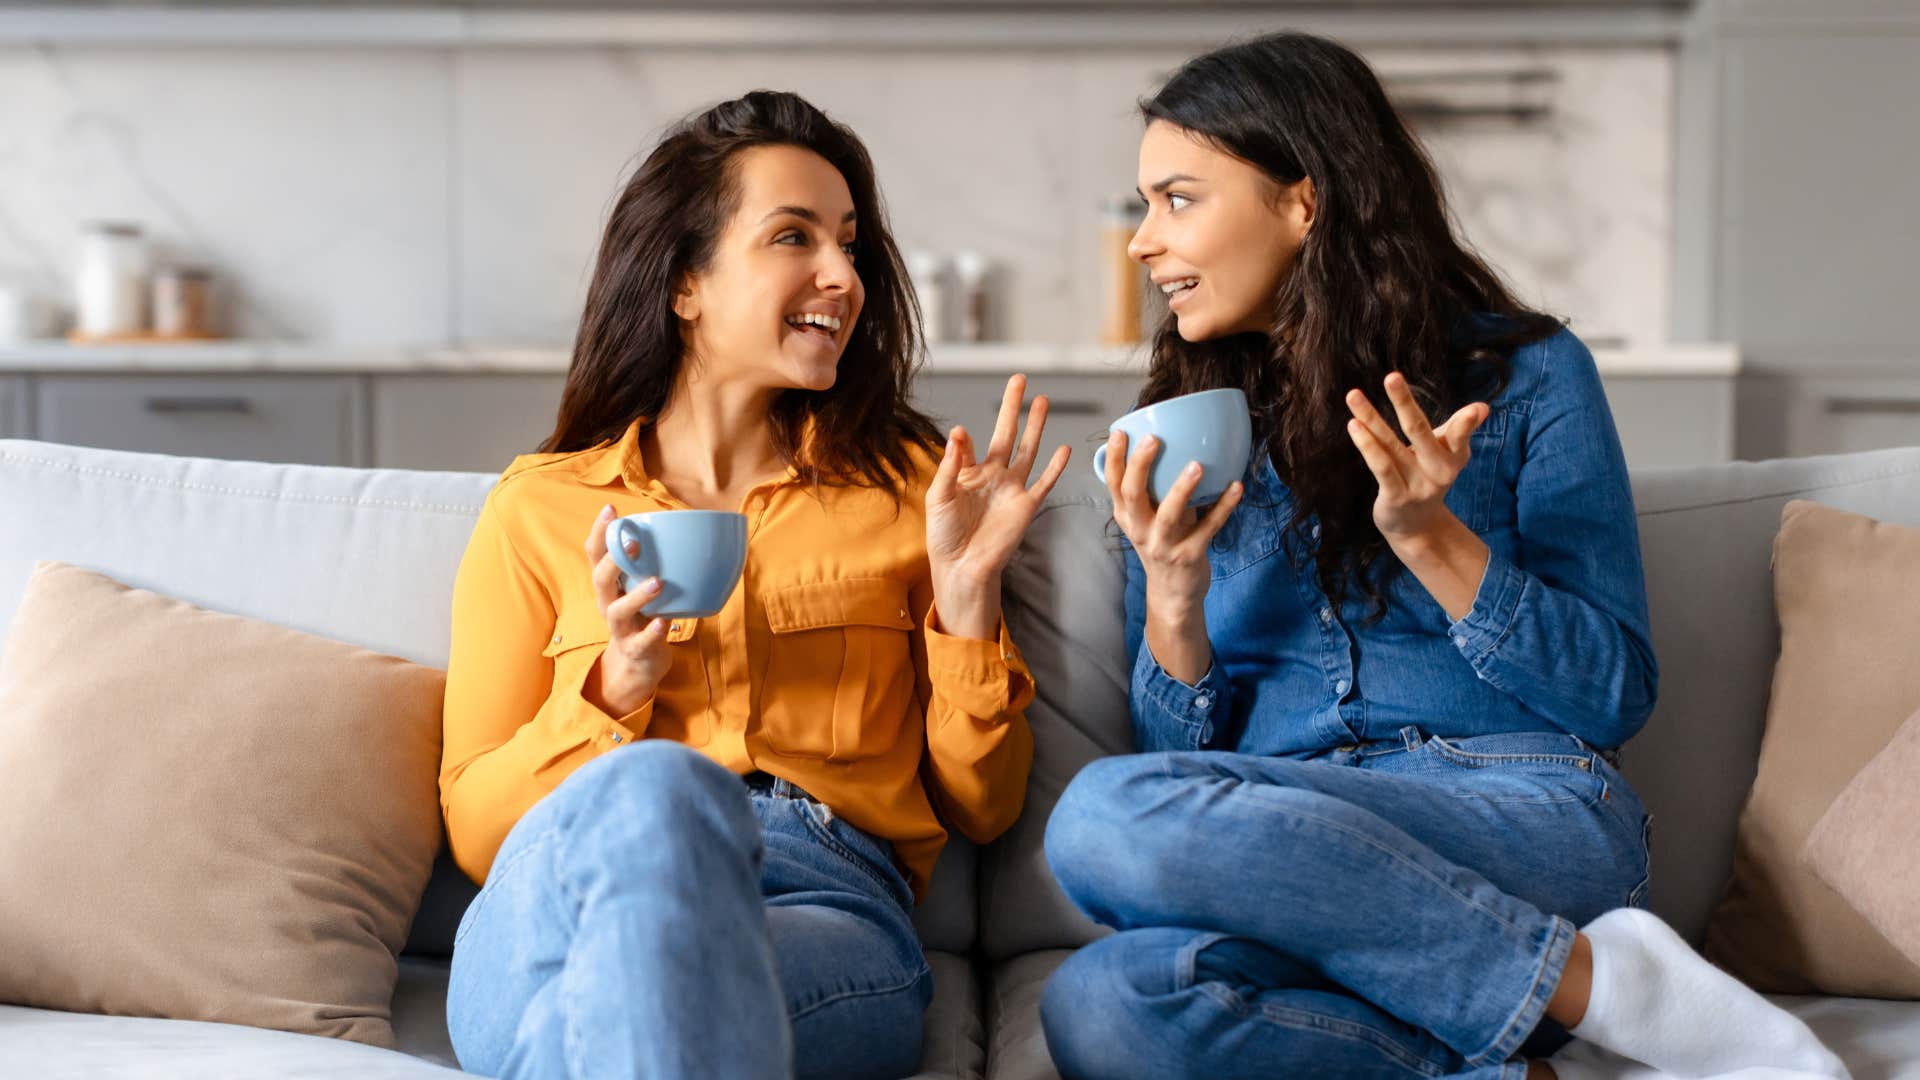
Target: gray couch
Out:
[368,556]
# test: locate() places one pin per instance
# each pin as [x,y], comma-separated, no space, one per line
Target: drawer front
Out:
[13,408]
[466,423]
[297,419]
[1079,407]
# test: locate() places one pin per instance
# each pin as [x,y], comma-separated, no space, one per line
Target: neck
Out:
[713,436]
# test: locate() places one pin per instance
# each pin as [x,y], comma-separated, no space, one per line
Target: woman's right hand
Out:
[637,655]
[1171,540]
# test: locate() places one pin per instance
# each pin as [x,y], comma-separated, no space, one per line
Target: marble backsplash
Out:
[390,195]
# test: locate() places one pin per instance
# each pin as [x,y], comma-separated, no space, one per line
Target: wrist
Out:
[967,607]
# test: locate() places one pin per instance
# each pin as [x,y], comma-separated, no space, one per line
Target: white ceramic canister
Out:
[110,295]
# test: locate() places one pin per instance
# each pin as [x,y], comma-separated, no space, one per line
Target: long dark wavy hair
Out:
[1380,283]
[629,350]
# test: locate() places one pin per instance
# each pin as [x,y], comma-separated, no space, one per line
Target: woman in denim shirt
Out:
[1379,830]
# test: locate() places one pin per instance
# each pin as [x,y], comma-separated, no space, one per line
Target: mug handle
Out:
[1100,461]
[617,531]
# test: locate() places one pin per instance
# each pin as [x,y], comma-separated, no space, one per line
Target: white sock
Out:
[1657,1001]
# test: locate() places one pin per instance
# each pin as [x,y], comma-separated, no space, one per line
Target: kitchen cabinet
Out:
[14,421]
[462,422]
[1079,406]
[1784,415]
[1673,419]
[304,419]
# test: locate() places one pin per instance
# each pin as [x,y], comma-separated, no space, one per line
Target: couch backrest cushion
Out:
[364,556]
[1707,536]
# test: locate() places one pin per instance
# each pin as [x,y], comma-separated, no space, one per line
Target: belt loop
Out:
[1412,737]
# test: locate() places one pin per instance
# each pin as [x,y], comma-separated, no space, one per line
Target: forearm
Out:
[1450,563]
[1176,635]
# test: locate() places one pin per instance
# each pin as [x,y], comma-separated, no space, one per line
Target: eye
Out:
[848,247]
[793,235]
[1171,196]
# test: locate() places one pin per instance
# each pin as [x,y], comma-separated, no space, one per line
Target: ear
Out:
[686,301]
[1306,197]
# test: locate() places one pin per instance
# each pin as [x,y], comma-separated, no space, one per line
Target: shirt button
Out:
[1340,687]
[617,737]
[1326,614]
[1203,702]
[1006,655]
[1316,532]
[673,627]
[556,639]
[903,613]
[1460,640]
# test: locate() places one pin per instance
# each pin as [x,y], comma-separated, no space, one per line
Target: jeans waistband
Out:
[1412,737]
[765,783]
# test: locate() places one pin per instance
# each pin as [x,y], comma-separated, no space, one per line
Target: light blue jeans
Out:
[655,917]
[1400,908]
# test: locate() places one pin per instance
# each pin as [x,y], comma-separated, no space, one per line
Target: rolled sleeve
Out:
[986,679]
[1479,633]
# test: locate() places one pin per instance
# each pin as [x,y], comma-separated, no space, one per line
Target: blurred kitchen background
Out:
[361,233]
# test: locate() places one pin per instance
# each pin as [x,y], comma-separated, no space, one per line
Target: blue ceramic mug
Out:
[696,554]
[1212,427]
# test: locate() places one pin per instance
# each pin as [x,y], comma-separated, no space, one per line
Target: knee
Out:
[1114,830]
[1095,817]
[656,789]
[1091,1014]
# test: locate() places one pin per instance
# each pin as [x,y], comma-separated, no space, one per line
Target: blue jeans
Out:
[1397,908]
[654,917]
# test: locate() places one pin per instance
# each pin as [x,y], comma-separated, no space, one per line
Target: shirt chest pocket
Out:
[839,679]
[580,637]
[583,625]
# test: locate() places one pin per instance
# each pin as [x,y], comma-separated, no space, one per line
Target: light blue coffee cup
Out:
[696,554]
[1212,427]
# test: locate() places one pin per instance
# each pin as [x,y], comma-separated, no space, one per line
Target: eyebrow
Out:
[1176,178]
[803,214]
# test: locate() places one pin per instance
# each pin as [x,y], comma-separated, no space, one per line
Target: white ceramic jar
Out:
[110,296]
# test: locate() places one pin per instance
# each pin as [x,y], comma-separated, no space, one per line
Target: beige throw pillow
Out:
[1845,589]
[1867,845]
[207,817]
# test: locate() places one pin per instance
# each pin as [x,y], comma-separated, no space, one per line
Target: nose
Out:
[836,273]
[1145,244]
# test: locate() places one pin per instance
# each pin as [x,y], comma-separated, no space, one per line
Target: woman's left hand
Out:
[978,510]
[1414,479]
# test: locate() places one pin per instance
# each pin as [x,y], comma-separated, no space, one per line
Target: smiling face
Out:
[777,303]
[1219,235]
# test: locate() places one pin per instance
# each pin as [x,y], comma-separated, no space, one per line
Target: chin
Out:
[1193,328]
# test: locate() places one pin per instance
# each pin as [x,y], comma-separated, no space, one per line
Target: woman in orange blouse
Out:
[700,840]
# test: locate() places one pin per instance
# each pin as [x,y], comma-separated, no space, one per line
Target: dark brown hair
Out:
[665,226]
[1379,284]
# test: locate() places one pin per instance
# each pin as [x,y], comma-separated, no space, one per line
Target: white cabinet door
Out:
[464,422]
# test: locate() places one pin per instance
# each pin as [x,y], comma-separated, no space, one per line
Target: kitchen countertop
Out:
[280,357]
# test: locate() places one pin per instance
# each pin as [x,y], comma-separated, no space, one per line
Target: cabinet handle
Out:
[1898,406]
[1066,407]
[197,405]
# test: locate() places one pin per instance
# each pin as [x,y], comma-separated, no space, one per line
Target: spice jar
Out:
[182,302]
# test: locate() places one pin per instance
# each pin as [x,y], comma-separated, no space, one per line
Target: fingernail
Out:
[607,510]
[650,584]
[1193,468]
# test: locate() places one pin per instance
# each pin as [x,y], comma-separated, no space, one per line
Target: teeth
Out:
[1183,284]
[825,322]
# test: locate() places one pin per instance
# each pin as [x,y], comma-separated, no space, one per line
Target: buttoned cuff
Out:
[605,731]
[985,679]
[1486,625]
[1193,706]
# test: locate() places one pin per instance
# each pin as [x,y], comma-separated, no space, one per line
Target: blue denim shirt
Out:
[1556,639]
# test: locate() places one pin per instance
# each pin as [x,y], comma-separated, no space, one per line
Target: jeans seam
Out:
[871,991]
[1301,1019]
[1526,1016]
[484,897]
